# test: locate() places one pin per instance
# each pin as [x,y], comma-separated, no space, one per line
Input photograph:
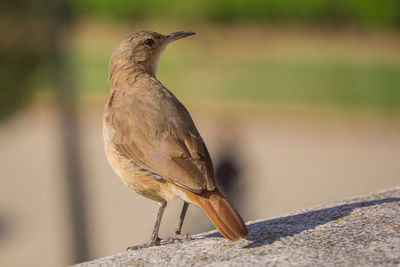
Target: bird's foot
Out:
[175,238]
[150,243]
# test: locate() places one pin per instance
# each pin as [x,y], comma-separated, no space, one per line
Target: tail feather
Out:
[222,214]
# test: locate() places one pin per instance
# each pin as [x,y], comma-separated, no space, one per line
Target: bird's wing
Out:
[163,141]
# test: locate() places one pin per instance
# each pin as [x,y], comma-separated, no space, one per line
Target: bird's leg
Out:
[154,240]
[177,236]
[181,218]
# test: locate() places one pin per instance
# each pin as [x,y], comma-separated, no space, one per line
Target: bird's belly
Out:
[143,184]
[157,190]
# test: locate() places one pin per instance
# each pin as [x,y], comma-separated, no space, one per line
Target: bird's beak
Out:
[176,36]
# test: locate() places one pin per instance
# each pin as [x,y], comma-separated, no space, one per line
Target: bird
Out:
[152,143]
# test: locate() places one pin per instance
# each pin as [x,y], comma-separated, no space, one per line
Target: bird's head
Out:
[141,51]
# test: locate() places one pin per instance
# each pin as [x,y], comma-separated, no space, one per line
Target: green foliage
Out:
[336,82]
[21,52]
[16,73]
[384,13]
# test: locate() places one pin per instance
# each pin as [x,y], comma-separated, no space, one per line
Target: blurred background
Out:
[297,101]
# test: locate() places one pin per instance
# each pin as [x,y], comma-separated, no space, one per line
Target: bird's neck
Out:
[128,74]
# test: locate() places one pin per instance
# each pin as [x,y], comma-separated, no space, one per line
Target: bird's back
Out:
[148,126]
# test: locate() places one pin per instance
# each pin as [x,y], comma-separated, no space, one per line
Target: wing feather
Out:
[162,140]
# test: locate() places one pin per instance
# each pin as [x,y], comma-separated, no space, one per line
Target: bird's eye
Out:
[149,42]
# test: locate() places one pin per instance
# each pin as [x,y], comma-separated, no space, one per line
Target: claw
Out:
[150,243]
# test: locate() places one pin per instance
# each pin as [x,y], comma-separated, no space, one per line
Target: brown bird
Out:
[152,143]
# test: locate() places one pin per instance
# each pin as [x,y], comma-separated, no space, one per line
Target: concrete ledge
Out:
[362,231]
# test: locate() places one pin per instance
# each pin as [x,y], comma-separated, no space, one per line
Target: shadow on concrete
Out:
[269,231]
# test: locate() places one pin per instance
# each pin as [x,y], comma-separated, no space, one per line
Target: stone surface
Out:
[362,231]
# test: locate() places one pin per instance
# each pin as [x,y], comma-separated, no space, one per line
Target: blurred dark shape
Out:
[60,21]
[22,45]
[4,226]
[338,12]
[31,40]
[228,175]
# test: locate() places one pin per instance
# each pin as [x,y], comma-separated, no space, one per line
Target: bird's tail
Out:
[222,214]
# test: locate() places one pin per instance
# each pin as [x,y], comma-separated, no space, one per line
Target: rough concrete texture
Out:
[362,231]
